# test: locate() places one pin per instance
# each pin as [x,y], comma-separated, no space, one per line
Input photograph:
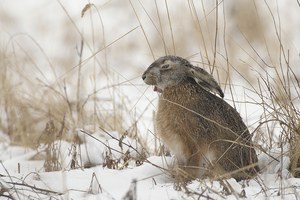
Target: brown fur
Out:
[207,135]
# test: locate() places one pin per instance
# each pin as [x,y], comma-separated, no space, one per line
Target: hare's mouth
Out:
[157,89]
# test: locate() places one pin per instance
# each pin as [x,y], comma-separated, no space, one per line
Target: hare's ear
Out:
[205,80]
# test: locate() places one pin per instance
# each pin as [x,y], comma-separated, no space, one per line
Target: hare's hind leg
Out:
[199,164]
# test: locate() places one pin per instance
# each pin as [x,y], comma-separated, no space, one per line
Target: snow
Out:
[85,170]
[20,168]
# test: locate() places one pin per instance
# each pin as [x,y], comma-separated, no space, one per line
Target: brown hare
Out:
[206,135]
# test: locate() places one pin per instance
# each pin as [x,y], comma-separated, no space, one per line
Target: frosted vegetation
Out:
[76,119]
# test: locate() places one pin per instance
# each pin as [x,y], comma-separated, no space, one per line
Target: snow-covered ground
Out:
[121,39]
[23,176]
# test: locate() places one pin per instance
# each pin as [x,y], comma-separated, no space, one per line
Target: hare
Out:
[206,135]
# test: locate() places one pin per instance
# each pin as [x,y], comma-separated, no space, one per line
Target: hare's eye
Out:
[166,66]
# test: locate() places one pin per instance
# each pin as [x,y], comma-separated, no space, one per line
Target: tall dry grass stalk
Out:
[33,94]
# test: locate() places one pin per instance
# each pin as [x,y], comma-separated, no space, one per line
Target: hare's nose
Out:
[144,76]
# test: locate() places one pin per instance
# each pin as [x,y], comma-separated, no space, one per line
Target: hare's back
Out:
[220,112]
[203,108]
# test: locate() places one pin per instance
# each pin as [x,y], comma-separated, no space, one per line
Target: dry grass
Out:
[241,42]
